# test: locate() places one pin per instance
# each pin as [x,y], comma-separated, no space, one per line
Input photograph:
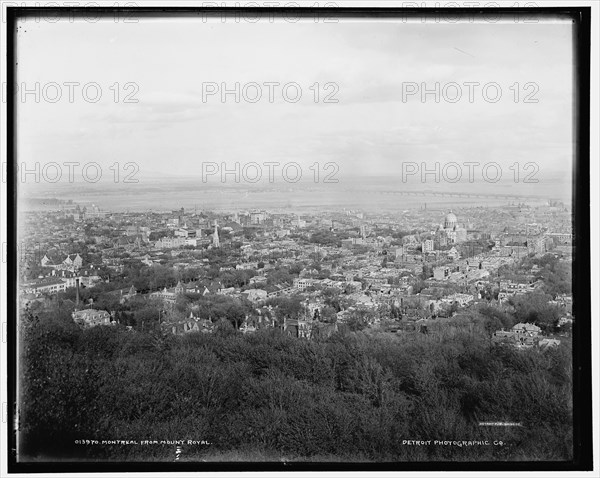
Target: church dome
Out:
[450,221]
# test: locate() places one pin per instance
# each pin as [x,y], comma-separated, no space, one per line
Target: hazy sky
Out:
[372,129]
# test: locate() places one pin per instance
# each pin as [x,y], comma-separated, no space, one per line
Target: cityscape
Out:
[332,241]
[497,279]
[416,266]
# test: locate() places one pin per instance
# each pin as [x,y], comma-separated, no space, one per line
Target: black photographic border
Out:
[582,376]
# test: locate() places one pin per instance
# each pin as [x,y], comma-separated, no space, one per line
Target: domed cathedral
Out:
[450,222]
[451,232]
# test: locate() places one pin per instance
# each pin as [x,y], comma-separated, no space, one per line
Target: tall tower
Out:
[216,242]
[76,292]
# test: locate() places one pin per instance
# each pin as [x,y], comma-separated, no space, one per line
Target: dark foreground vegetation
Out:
[352,396]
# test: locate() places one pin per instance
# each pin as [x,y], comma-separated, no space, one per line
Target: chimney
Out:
[77,291]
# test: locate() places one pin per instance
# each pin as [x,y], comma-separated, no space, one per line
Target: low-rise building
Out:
[255,295]
[91,317]
[170,243]
[45,286]
[304,283]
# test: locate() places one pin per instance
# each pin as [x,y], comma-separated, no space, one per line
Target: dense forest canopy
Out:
[351,396]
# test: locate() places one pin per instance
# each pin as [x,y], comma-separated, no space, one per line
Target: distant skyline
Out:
[370,131]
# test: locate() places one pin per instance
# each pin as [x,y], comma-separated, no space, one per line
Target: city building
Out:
[450,231]
[91,317]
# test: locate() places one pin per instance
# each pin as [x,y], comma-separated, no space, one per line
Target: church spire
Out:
[216,242]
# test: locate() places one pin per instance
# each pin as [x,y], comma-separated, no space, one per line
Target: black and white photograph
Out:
[306,236]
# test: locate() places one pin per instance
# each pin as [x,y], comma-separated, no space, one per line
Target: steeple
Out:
[216,242]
